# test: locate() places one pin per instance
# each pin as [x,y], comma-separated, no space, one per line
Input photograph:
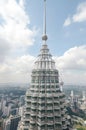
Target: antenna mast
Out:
[44,37]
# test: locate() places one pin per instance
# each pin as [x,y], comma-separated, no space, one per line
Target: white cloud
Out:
[15,25]
[79,16]
[15,36]
[17,70]
[71,66]
[74,77]
[21,3]
[4,49]
[73,59]
[67,22]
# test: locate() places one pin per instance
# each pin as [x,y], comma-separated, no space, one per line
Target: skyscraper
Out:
[45,102]
[1,124]
[14,122]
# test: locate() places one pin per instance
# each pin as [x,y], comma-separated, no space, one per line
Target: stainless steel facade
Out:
[45,102]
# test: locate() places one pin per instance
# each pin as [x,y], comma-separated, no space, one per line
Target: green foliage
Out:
[79,127]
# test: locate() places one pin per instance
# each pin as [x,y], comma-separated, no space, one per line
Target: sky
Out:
[21,28]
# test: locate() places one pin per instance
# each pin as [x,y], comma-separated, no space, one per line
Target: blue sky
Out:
[60,38]
[21,27]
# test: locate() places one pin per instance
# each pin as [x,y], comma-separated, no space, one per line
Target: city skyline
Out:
[20,35]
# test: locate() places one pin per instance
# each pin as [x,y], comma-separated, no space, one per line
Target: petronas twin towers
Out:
[45,102]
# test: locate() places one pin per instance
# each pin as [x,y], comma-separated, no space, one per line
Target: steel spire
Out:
[44,37]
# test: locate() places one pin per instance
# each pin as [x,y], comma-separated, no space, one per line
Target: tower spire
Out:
[44,37]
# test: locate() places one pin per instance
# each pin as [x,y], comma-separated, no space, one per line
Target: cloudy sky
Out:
[21,23]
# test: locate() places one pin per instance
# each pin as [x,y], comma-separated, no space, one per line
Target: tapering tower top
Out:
[44,37]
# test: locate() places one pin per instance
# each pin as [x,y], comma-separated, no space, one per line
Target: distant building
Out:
[14,111]
[14,122]
[22,100]
[6,124]
[0,105]
[83,96]
[1,124]
[11,123]
[72,97]
[21,111]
